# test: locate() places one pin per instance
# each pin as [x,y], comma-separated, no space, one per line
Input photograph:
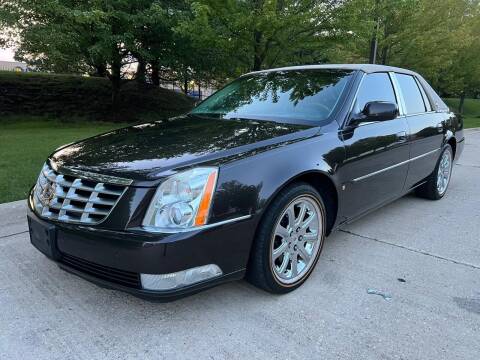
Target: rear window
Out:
[426,100]
[437,102]
[411,94]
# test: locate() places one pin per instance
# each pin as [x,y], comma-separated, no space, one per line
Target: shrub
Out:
[67,96]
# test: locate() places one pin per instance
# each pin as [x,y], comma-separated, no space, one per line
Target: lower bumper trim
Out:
[160,296]
[121,277]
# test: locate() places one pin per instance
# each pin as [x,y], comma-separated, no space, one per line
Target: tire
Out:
[267,269]
[431,189]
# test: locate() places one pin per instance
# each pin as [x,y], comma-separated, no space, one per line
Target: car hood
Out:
[145,152]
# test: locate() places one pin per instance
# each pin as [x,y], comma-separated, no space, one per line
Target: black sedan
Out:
[249,183]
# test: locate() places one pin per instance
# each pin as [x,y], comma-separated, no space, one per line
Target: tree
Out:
[254,34]
[462,75]
[437,41]
[91,36]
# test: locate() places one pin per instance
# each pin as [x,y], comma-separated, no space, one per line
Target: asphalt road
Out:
[46,313]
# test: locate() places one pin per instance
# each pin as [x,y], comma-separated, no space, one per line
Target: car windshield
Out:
[299,96]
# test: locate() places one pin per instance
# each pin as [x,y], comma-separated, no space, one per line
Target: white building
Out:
[13,66]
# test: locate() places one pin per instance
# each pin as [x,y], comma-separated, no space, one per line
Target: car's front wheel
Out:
[289,240]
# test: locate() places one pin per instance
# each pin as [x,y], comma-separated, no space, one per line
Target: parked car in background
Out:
[249,183]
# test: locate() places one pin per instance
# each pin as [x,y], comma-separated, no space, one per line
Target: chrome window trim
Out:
[394,166]
[355,97]
[402,109]
[154,230]
[420,113]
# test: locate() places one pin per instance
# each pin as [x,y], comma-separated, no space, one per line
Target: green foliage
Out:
[213,41]
[441,40]
[254,34]
[89,97]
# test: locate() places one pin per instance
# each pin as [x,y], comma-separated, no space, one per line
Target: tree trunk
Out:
[100,71]
[257,58]
[155,74]
[141,71]
[384,55]
[115,79]
[185,84]
[461,103]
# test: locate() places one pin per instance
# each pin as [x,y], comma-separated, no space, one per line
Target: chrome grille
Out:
[72,199]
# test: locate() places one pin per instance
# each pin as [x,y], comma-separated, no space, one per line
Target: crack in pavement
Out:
[474,166]
[417,251]
[10,235]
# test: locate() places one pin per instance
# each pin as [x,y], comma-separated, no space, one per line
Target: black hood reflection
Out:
[141,152]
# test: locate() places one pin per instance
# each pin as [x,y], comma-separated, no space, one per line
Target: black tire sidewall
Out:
[267,279]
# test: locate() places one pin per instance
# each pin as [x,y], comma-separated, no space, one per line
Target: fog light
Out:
[179,279]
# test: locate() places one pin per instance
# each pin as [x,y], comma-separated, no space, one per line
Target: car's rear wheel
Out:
[437,184]
[289,240]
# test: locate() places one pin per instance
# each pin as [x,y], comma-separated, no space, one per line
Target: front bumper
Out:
[115,259]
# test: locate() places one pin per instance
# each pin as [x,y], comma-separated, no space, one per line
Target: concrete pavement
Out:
[425,255]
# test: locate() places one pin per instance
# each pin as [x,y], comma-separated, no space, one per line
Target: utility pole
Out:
[374,45]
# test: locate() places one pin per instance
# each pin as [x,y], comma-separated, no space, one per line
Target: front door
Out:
[377,153]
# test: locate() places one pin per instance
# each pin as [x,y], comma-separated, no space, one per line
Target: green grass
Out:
[471,122]
[25,144]
[471,111]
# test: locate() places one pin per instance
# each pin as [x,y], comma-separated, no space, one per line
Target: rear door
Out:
[377,153]
[425,129]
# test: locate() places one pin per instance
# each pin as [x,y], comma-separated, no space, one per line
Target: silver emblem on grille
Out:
[47,194]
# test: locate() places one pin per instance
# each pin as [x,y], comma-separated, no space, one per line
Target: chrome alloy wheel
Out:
[444,172]
[296,240]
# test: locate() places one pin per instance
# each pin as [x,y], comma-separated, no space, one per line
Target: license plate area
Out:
[44,237]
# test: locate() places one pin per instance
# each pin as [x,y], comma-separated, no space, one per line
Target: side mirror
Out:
[380,111]
[376,111]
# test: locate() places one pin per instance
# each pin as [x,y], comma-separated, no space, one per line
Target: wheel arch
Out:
[453,143]
[323,183]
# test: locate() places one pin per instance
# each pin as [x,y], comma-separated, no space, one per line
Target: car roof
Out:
[367,68]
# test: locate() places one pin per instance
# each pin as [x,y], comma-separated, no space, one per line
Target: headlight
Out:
[182,201]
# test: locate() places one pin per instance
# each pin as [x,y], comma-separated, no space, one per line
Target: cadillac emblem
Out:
[47,194]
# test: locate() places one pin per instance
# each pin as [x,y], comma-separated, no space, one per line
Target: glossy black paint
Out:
[362,166]
[145,151]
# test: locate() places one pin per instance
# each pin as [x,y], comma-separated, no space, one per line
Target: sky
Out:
[6,55]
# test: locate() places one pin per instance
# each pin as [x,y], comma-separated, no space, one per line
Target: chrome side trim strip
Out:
[394,166]
[153,229]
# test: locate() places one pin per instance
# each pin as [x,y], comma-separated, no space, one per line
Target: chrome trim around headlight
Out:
[153,229]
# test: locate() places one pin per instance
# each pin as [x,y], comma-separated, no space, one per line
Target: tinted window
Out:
[291,96]
[426,100]
[375,87]
[411,94]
